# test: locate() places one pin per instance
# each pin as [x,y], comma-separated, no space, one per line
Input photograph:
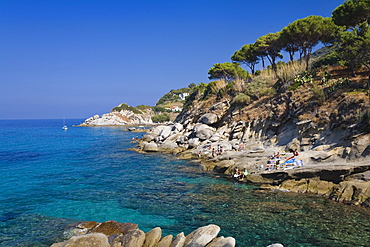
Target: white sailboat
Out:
[64,125]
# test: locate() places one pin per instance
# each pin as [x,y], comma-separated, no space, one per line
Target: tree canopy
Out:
[227,71]
[269,46]
[351,13]
[248,55]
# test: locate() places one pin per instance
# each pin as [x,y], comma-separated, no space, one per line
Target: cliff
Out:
[122,115]
[326,121]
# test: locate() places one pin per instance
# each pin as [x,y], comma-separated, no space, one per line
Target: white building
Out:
[183,95]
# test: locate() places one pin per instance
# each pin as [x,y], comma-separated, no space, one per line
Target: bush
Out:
[241,100]
[300,79]
[124,106]
[160,118]
[198,92]
[259,87]
[318,94]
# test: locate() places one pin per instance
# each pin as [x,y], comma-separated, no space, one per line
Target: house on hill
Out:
[183,95]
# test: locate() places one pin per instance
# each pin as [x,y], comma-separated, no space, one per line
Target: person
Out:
[237,173]
[220,150]
[244,174]
[213,153]
[295,153]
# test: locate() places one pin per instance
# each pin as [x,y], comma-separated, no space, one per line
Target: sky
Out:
[75,59]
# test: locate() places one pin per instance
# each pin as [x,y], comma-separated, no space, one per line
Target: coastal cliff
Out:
[122,115]
[331,135]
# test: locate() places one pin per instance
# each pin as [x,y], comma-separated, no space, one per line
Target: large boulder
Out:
[165,241]
[168,145]
[177,127]
[93,239]
[152,237]
[360,147]
[194,142]
[179,240]
[202,236]
[166,131]
[150,147]
[208,118]
[203,131]
[108,228]
[222,242]
[134,238]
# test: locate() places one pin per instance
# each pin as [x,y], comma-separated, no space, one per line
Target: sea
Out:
[50,179]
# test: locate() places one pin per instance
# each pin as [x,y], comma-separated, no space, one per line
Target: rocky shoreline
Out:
[115,234]
[324,171]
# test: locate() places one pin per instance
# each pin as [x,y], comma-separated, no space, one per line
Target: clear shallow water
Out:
[51,178]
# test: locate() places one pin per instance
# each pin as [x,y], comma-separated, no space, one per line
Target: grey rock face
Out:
[208,118]
[202,236]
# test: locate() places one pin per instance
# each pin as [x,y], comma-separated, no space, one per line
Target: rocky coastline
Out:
[115,234]
[122,117]
[337,171]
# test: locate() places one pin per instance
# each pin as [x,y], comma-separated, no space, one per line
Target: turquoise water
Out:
[51,178]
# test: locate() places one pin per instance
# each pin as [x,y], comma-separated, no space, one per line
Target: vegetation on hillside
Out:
[172,96]
[341,69]
[137,110]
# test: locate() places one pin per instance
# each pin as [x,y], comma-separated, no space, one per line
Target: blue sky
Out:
[75,59]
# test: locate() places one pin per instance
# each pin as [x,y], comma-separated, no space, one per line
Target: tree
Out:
[288,42]
[306,33]
[354,47]
[247,55]
[269,46]
[192,85]
[351,13]
[227,71]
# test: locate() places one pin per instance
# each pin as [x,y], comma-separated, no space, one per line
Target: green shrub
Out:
[259,87]
[173,95]
[160,118]
[318,94]
[143,107]
[124,106]
[241,100]
[299,80]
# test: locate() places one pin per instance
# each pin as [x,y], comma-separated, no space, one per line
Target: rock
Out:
[179,240]
[108,228]
[166,131]
[203,131]
[216,137]
[127,227]
[202,236]
[168,145]
[360,147]
[193,142]
[276,245]
[293,145]
[134,238]
[151,147]
[208,118]
[177,127]
[122,117]
[87,226]
[223,165]
[222,242]
[152,237]
[165,241]
[89,240]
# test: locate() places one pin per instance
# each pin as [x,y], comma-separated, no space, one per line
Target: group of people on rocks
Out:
[240,174]
[279,160]
[216,152]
